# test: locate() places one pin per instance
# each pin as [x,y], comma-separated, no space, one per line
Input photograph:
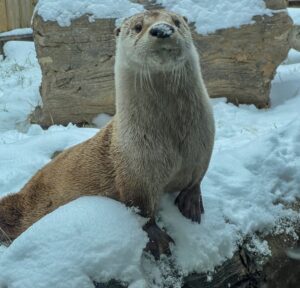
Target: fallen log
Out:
[77,63]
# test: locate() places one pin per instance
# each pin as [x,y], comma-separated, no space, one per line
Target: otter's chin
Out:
[166,59]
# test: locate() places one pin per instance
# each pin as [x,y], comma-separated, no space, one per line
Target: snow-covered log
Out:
[77,60]
[248,268]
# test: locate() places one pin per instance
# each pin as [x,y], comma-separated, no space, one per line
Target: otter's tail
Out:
[11,214]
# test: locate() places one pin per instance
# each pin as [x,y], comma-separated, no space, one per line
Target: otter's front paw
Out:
[159,240]
[189,202]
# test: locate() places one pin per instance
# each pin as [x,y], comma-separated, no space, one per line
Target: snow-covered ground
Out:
[255,168]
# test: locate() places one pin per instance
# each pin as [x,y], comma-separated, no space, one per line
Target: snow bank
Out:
[255,168]
[210,16]
[64,11]
[105,242]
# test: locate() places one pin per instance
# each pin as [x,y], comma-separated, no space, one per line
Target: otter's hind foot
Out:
[159,240]
[189,202]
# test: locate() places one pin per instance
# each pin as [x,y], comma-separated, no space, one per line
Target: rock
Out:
[77,63]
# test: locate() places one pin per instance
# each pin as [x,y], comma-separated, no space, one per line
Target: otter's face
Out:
[159,39]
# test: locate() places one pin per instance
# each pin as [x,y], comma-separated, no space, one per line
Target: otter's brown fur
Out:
[160,139]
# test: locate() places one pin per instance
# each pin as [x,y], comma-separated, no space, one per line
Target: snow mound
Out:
[210,16]
[64,11]
[90,239]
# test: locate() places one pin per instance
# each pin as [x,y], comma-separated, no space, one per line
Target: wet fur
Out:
[160,139]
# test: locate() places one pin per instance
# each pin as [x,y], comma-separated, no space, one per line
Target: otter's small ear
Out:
[185,19]
[117,31]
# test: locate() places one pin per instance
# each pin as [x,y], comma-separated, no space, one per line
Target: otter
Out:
[159,141]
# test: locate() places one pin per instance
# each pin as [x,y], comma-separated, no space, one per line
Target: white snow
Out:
[101,119]
[210,16]
[20,31]
[295,14]
[20,76]
[64,11]
[76,253]
[255,168]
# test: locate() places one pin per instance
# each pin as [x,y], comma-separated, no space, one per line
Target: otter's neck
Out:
[159,101]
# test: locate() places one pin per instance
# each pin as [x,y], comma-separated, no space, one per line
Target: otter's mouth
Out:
[164,50]
[167,49]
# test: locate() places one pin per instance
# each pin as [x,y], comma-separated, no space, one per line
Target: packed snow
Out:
[295,14]
[64,11]
[208,15]
[20,31]
[254,172]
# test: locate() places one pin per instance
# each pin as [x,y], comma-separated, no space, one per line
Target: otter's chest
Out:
[195,143]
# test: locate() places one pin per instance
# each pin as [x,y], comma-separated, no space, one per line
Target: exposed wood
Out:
[77,64]
[294,3]
[13,14]
[3,18]
[26,8]
[23,37]
[276,4]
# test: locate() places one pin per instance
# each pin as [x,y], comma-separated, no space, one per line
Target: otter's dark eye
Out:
[177,23]
[138,28]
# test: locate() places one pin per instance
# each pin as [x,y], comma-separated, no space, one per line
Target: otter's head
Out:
[159,39]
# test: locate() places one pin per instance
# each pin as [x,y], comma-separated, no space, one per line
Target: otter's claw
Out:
[159,240]
[189,202]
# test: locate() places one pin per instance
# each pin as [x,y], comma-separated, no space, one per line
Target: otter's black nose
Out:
[162,30]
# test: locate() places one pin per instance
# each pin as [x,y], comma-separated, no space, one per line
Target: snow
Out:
[20,31]
[255,169]
[295,14]
[210,16]
[101,119]
[164,29]
[64,11]
[20,76]
[92,247]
